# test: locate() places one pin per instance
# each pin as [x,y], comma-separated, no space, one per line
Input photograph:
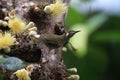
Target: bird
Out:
[53,41]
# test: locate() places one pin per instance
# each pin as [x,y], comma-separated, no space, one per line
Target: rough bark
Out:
[46,59]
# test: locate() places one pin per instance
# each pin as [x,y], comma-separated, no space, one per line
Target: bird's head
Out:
[71,33]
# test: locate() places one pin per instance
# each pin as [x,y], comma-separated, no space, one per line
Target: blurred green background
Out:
[98,43]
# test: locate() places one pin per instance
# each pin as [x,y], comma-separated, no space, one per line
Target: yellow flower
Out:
[22,74]
[56,9]
[16,25]
[6,40]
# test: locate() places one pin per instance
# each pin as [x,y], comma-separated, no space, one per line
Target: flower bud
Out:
[30,25]
[33,29]
[72,70]
[6,18]
[5,24]
[1,22]
[74,77]
[32,33]
[37,36]
[64,49]
[12,14]
[48,9]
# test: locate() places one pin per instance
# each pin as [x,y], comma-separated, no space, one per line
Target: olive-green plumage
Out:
[55,41]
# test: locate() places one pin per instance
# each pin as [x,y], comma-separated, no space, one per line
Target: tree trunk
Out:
[46,57]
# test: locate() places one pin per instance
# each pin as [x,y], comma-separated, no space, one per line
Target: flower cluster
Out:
[22,74]
[16,25]
[56,9]
[6,40]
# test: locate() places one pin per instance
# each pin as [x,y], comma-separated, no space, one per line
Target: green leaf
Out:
[95,22]
[80,40]
[1,76]
[107,36]
[74,17]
